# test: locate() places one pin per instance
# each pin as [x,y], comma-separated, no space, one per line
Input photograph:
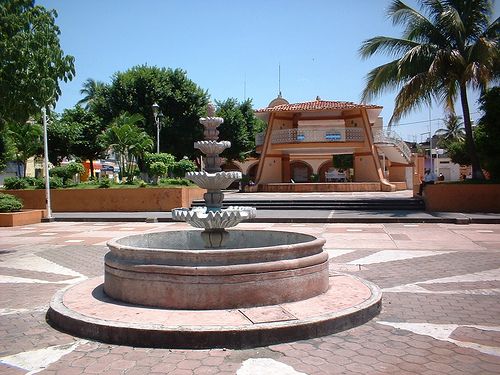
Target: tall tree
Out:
[487,132]
[31,60]
[85,128]
[446,47]
[453,130]
[181,101]
[61,136]
[239,127]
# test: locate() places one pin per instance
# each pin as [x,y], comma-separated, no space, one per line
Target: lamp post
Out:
[157,115]
[46,166]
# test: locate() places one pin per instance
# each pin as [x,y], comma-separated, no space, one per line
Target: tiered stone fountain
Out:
[215,287]
[212,217]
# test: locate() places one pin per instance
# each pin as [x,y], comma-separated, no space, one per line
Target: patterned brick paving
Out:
[441,312]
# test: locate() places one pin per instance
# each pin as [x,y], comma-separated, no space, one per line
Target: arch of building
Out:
[252,171]
[231,166]
[323,168]
[300,171]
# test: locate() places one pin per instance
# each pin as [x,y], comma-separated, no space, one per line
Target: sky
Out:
[239,49]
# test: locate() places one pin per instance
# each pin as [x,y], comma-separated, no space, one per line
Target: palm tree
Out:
[453,130]
[127,140]
[90,89]
[445,48]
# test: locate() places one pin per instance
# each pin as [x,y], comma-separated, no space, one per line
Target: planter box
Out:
[110,200]
[24,217]
[462,197]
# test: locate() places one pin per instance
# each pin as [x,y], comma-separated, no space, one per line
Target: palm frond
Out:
[383,44]
[380,79]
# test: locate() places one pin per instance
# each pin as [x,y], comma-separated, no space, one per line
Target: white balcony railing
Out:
[313,135]
[391,137]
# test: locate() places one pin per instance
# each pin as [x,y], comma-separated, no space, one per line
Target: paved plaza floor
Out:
[440,312]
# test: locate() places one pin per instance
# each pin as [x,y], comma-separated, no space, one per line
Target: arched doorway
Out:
[300,171]
[252,172]
[325,167]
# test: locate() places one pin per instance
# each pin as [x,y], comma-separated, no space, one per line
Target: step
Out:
[351,204]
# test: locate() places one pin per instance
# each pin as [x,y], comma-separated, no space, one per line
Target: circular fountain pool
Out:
[254,268]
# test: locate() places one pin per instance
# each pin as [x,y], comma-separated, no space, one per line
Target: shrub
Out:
[180,168]
[55,183]
[164,158]
[105,183]
[15,183]
[158,169]
[75,168]
[10,203]
[66,172]
[31,180]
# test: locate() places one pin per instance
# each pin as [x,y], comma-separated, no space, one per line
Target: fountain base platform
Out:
[86,311]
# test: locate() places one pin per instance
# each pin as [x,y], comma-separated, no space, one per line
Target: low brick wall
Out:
[24,217]
[462,197]
[110,200]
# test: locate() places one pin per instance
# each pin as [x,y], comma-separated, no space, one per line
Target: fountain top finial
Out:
[210,109]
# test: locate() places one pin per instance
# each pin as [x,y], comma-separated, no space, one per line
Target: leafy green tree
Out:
[128,141]
[445,48]
[487,133]
[239,127]
[27,141]
[181,101]
[453,130]
[61,136]
[457,151]
[31,60]
[85,128]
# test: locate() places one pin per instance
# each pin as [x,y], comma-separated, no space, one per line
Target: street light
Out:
[46,166]
[157,115]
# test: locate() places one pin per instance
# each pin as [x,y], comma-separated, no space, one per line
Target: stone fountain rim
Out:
[314,242]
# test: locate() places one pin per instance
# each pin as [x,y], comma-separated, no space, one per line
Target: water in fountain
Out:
[213,218]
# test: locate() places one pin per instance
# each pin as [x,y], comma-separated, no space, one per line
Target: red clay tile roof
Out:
[317,105]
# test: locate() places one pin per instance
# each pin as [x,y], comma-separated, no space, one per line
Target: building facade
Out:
[329,145]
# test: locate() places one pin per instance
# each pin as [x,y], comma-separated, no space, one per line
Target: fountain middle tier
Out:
[212,147]
[213,181]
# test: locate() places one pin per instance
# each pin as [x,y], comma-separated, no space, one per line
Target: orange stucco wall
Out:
[110,200]
[462,197]
[364,169]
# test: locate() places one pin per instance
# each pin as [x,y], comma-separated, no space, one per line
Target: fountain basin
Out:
[253,268]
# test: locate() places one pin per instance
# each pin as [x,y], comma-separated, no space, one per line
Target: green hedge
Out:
[10,203]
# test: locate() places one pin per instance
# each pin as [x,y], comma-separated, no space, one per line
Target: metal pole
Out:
[430,139]
[46,165]
[157,134]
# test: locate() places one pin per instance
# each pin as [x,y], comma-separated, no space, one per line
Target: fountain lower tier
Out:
[254,268]
[200,217]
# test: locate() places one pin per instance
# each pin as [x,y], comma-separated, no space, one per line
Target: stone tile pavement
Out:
[441,304]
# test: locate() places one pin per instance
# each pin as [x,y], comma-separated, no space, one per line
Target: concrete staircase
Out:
[391,144]
[358,204]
